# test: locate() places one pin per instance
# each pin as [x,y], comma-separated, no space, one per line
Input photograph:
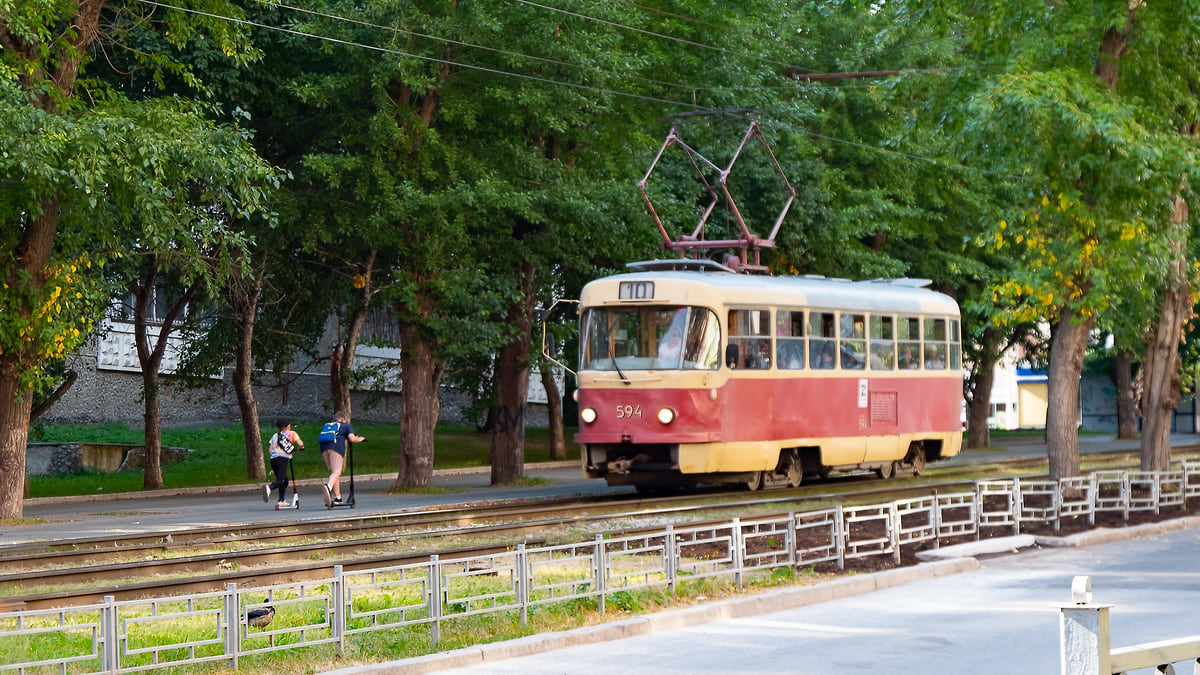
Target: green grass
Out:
[218,454]
[164,626]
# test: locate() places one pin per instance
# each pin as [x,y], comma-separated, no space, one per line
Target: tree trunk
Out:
[245,310]
[512,385]
[339,381]
[1160,368]
[152,448]
[978,433]
[1067,347]
[16,398]
[14,436]
[418,396]
[150,359]
[558,443]
[342,362]
[1126,398]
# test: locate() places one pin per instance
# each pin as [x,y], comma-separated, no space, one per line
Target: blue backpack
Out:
[329,432]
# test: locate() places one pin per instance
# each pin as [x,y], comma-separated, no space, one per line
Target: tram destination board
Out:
[636,290]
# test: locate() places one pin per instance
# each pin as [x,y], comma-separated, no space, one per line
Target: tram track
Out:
[79,571]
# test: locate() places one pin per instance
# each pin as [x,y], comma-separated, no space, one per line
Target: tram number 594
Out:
[624,411]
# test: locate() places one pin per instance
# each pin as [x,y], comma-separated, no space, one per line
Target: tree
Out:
[75,171]
[1101,169]
[184,243]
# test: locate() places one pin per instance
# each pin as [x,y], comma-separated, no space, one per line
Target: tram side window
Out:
[883,342]
[955,346]
[935,344]
[853,333]
[749,339]
[789,339]
[822,340]
[908,343]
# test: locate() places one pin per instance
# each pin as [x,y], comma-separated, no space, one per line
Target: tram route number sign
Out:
[862,393]
[636,290]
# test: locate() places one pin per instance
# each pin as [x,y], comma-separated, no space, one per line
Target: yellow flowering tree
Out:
[1104,165]
[75,171]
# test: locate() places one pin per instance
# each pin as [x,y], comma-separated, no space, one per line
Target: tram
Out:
[692,374]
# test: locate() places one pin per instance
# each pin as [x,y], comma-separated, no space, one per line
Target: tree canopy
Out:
[451,166]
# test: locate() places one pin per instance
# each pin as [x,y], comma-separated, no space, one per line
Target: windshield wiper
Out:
[611,347]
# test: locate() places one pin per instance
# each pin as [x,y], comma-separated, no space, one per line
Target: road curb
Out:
[1105,535]
[736,608]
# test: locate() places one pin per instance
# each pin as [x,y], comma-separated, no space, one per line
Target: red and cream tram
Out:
[692,374]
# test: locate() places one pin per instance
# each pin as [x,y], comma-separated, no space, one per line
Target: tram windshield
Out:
[650,338]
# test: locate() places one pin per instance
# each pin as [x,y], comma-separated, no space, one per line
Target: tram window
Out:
[955,346]
[908,335]
[749,339]
[789,339]
[853,347]
[935,344]
[883,342]
[663,338]
[822,340]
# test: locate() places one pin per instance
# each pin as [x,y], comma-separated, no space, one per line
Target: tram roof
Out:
[878,295]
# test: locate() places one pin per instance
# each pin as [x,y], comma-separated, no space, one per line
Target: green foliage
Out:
[625,601]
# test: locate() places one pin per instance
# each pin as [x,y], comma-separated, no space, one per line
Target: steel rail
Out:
[505,521]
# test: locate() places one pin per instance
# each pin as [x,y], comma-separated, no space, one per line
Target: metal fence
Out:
[423,598]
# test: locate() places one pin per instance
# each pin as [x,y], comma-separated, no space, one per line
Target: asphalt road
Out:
[1000,618]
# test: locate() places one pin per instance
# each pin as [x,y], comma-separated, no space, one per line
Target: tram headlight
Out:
[666,415]
[588,415]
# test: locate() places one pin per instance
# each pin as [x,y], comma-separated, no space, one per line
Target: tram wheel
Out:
[755,482]
[795,473]
[886,471]
[916,458]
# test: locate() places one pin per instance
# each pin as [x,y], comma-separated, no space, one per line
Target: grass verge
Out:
[218,454]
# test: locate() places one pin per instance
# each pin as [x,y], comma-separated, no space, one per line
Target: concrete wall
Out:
[43,459]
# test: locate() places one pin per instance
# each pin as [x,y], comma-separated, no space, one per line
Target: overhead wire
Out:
[460,43]
[506,52]
[496,71]
[663,36]
[397,52]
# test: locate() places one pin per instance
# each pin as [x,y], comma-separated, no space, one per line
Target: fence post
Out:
[233,625]
[1127,494]
[435,600]
[601,572]
[978,495]
[1083,633]
[894,530]
[109,657]
[793,539]
[1017,503]
[337,591]
[735,542]
[935,519]
[523,583]
[839,537]
[671,559]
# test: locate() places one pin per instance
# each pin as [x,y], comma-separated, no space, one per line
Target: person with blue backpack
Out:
[332,440]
